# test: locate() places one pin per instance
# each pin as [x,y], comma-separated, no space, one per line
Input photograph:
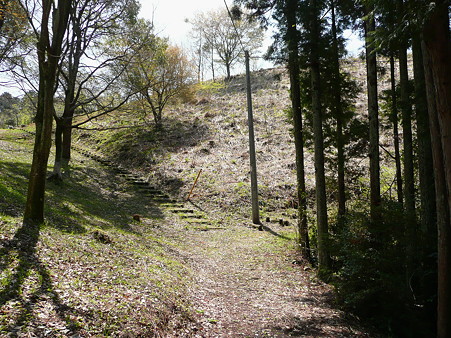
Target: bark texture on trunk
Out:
[292,39]
[373,114]
[406,111]
[437,64]
[320,181]
[338,113]
[49,49]
[394,120]
[425,161]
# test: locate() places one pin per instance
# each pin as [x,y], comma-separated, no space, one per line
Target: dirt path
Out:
[247,283]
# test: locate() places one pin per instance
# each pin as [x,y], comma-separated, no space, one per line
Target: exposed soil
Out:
[248,283]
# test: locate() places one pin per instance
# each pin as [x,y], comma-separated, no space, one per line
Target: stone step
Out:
[162,200]
[158,196]
[182,211]
[198,221]
[172,205]
[192,216]
[140,183]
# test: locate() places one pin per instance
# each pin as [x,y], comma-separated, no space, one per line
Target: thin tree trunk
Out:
[409,179]
[394,120]
[67,141]
[292,39]
[212,64]
[406,111]
[338,113]
[228,71]
[320,181]
[437,56]
[57,165]
[373,114]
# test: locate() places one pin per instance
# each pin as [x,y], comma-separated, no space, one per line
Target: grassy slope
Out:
[212,135]
[62,280]
[66,281]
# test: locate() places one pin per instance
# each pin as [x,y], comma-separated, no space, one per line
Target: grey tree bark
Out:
[395,121]
[373,114]
[292,40]
[49,51]
[320,181]
[437,65]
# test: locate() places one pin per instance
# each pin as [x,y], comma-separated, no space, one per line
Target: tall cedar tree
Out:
[49,47]
[373,114]
[409,179]
[292,42]
[395,120]
[338,113]
[437,66]
[285,14]
[314,25]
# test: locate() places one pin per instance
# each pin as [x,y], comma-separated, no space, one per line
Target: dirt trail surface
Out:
[248,284]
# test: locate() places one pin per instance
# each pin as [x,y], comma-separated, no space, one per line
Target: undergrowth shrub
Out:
[370,278]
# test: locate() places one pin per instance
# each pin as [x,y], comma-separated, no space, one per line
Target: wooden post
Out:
[195,182]
[250,118]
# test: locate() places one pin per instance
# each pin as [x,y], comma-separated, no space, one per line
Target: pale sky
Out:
[169,16]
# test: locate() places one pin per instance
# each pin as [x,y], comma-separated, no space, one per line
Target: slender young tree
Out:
[224,39]
[394,120]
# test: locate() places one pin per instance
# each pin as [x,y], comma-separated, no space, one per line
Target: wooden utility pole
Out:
[250,118]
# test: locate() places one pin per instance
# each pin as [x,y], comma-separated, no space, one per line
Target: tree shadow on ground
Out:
[301,327]
[18,262]
[144,148]
[272,232]
[90,197]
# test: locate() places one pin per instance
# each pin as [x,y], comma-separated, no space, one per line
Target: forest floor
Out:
[124,254]
[249,283]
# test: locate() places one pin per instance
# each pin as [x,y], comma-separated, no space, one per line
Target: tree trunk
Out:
[437,51]
[425,161]
[57,165]
[373,114]
[406,111]
[228,70]
[34,207]
[292,40]
[320,181]
[394,120]
[409,179]
[338,114]
[67,141]
[48,56]
[212,64]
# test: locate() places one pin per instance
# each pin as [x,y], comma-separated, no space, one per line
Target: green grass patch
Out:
[62,279]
